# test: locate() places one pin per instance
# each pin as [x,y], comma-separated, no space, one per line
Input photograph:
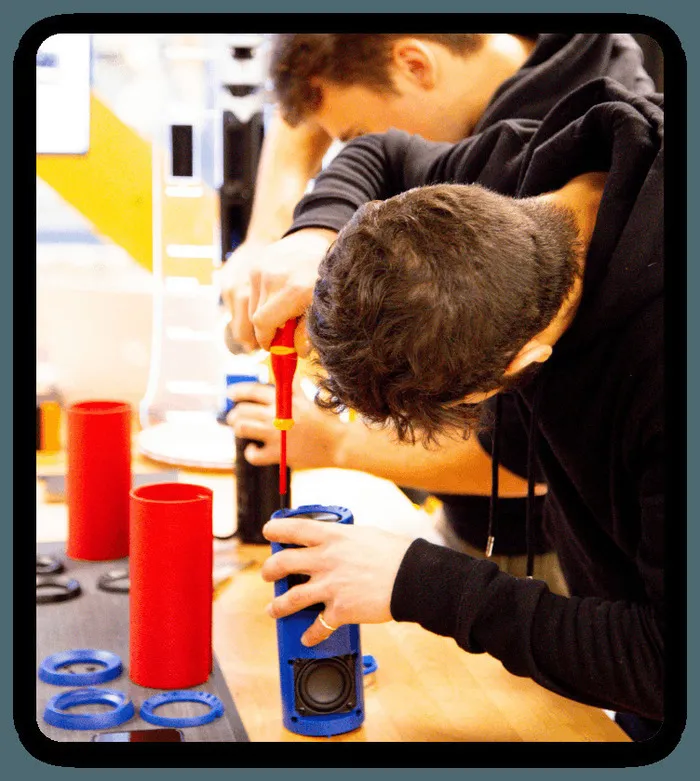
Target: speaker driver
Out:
[324,685]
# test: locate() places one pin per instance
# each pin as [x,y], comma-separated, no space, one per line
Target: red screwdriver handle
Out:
[283,358]
[284,337]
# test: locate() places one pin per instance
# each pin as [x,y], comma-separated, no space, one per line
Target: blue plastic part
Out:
[233,379]
[54,713]
[343,514]
[369,664]
[344,642]
[216,708]
[111,667]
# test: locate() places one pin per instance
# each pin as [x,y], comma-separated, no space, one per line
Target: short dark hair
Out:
[426,298]
[343,58]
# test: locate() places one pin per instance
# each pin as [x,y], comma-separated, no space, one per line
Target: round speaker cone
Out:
[324,685]
[318,516]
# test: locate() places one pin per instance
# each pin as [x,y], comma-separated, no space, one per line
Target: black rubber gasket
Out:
[70,589]
[115,580]
[48,565]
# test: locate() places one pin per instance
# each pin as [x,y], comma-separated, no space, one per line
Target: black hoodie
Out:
[599,424]
[559,64]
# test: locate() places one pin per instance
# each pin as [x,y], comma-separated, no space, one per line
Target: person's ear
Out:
[415,61]
[532,352]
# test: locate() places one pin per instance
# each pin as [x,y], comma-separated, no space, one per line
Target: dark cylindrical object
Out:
[257,494]
[98,479]
[171,585]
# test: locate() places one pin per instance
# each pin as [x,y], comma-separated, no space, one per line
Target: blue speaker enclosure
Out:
[322,687]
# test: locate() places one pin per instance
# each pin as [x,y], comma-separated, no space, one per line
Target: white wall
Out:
[94,311]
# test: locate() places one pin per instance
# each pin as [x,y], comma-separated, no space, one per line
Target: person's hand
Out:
[282,282]
[352,571]
[312,441]
[234,285]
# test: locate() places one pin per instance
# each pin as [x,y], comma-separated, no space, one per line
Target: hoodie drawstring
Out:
[495,462]
[495,459]
[530,506]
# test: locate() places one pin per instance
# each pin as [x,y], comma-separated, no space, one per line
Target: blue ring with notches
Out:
[216,708]
[54,713]
[111,664]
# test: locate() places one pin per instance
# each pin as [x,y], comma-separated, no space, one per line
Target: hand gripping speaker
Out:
[322,686]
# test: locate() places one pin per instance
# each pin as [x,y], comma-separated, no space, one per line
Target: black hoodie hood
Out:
[622,135]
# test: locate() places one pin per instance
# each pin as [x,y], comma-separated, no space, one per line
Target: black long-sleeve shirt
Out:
[600,425]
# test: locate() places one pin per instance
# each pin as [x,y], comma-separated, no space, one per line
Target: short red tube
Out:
[171,585]
[98,479]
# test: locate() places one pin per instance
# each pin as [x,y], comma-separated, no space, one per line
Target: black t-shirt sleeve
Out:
[378,166]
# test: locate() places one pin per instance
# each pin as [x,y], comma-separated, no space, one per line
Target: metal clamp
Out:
[55,715]
[184,695]
[110,667]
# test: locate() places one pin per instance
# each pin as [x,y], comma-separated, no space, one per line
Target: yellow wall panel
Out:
[111,184]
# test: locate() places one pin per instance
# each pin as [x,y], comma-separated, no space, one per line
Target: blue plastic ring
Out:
[214,703]
[54,713]
[111,667]
[369,664]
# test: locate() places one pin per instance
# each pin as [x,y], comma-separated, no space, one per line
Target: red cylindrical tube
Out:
[171,585]
[98,479]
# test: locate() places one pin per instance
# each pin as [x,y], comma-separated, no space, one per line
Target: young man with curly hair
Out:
[526,260]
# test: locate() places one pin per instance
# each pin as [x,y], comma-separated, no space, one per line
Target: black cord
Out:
[495,459]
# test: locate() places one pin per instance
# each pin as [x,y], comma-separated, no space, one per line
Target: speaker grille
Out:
[324,686]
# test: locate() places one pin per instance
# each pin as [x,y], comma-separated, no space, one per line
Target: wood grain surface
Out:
[424,689]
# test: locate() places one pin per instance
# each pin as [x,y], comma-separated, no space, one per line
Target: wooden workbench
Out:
[425,688]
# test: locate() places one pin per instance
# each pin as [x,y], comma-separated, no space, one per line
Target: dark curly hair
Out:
[426,298]
[296,59]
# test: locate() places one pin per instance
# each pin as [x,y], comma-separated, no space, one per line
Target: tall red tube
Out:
[171,585]
[98,479]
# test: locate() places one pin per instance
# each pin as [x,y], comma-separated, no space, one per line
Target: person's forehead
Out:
[345,110]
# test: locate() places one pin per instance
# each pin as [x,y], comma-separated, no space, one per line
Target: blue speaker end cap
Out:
[344,515]
[110,667]
[216,708]
[55,714]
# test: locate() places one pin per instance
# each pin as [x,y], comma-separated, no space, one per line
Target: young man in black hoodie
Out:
[546,280]
[443,87]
